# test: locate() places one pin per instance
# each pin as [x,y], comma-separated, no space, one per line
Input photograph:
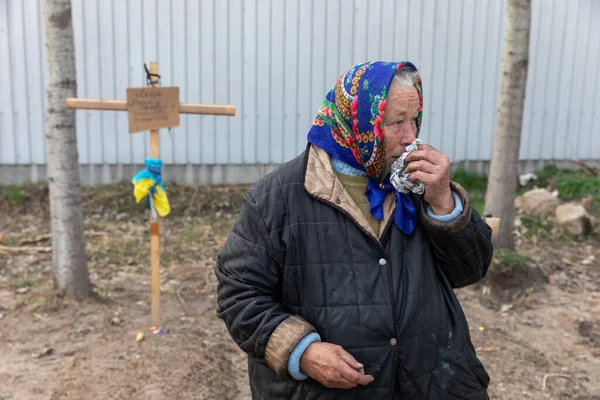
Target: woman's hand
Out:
[333,366]
[432,167]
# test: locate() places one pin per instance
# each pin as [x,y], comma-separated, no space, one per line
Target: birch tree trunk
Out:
[69,271]
[504,168]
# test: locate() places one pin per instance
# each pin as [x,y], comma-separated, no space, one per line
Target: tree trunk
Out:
[504,168]
[69,270]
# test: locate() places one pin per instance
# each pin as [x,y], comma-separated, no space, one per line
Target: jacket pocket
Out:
[458,379]
[451,380]
[477,368]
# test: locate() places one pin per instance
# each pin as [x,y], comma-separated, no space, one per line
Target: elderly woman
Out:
[337,281]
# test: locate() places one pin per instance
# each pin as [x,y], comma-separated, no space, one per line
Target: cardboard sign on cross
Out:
[152,108]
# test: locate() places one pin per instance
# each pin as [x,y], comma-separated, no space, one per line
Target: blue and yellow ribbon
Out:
[148,184]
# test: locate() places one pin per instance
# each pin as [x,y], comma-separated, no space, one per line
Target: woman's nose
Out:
[409,136]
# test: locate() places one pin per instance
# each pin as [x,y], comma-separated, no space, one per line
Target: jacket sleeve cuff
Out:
[438,228]
[458,209]
[283,341]
[294,361]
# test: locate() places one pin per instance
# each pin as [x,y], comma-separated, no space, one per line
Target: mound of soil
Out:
[590,330]
[506,285]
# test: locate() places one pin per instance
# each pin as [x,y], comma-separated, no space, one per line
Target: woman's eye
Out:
[399,122]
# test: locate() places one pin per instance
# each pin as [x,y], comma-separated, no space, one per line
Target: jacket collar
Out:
[321,182]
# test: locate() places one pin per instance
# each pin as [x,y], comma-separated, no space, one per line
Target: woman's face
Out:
[400,128]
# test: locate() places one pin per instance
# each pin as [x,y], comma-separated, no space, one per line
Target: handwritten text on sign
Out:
[152,108]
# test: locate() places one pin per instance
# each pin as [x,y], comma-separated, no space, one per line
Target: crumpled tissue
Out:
[399,179]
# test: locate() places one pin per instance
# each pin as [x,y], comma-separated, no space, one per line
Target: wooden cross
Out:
[160,113]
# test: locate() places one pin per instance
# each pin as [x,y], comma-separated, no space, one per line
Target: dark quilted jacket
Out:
[295,263]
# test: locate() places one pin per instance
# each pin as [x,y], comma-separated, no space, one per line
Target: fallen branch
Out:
[585,167]
[48,236]
[180,296]
[550,376]
[38,316]
[35,239]
[492,348]
[522,237]
[568,262]
[24,249]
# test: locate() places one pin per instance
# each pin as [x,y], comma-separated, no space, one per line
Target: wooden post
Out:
[154,225]
[493,223]
[184,108]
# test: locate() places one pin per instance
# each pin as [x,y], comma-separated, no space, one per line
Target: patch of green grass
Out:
[471,182]
[527,355]
[489,299]
[23,282]
[477,201]
[17,283]
[36,302]
[572,184]
[474,185]
[575,186]
[529,291]
[545,177]
[13,194]
[509,257]
[105,294]
[12,239]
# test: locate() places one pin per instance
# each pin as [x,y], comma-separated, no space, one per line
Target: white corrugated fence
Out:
[275,60]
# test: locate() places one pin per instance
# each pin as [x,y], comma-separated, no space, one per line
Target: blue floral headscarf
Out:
[349,127]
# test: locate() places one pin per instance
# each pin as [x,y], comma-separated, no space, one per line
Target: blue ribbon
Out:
[405,216]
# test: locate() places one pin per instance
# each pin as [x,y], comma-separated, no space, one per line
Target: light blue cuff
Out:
[458,209]
[294,361]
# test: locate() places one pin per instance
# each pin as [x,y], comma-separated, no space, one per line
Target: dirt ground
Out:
[535,319]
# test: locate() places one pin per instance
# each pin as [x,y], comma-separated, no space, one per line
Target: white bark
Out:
[504,168]
[70,271]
